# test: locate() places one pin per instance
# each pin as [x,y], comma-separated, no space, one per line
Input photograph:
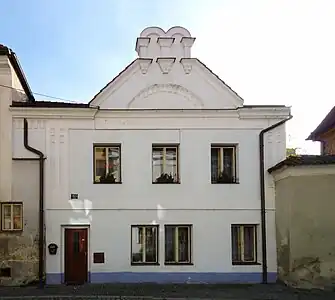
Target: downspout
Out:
[262,189]
[41,202]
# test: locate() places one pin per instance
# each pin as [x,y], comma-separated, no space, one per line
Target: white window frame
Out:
[220,158]
[142,240]
[176,242]
[107,148]
[12,205]
[240,242]
[155,147]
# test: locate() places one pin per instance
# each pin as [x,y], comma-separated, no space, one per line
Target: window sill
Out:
[178,264]
[12,231]
[144,264]
[107,182]
[225,183]
[246,263]
[166,182]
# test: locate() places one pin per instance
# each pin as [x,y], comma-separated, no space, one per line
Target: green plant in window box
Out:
[165,178]
[108,178]
[225,178]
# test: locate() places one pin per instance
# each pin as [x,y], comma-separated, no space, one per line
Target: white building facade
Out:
[157,179]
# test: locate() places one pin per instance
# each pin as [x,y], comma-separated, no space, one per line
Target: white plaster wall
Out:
[207,91]
[137,190]
[110,233]
[68,146]
[5,130]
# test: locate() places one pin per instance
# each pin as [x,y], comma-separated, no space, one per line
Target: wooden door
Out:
[75,258]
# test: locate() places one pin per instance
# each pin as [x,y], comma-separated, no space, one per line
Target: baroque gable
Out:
[165,76]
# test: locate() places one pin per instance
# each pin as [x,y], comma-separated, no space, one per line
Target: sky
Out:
[268,51]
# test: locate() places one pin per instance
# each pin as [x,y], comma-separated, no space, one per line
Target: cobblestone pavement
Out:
[148,292]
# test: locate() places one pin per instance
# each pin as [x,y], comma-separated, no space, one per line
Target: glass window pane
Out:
[171,162]
[137,243]
[170,244]
[151,245]
[236,253]
[7,216]
[17,217]
[228,161]
[17,210]
[214,164]
[114,163]
[157,163]
[7,224]
[100,161]
[183,244]
[7,210]
[249,243]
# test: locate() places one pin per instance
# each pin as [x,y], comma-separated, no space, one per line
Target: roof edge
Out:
[18,70]
[50,104]
[326,124]
[304,160]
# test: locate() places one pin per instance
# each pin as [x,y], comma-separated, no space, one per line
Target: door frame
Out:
[62,252]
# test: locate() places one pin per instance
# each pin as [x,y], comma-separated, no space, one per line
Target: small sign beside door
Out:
[74,196]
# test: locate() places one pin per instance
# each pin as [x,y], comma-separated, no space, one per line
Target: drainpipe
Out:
[41,159]
[262,188]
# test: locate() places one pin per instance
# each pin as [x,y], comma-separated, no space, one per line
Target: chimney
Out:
[154,42]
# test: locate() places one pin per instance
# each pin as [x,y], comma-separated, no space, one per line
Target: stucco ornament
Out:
[167,88]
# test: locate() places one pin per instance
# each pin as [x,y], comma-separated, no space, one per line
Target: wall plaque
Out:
[99,257]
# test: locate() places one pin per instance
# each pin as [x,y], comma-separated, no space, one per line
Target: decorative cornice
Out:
[144,64]
[264,113]
[53,113]
[187,41]
[187,65]
[165,63]
[165,41]
[90,113]
[142,42]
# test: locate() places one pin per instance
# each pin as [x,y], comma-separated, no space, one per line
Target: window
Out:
[165,164]
[144,244]
[223,164]
[178,244]
[107,164]
[11,214]
[244,244]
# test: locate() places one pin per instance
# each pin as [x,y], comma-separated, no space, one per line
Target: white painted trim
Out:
[289,171]
[53,113]
[116,83]
[92,113]
[62,248]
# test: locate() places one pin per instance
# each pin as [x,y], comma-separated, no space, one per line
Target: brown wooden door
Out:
[75,258]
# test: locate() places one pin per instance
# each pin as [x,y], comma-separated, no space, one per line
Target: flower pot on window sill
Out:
[225,178]
[108,178]
[165,178]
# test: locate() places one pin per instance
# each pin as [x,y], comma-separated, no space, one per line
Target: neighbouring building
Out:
[305,207]
[325,134]
[161,177]
[18,184]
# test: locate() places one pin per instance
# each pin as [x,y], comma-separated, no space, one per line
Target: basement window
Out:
[12,216]
[5,272]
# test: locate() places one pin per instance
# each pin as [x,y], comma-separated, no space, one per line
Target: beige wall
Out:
[20,250]
[329,139]
[18,182]
[305,222]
